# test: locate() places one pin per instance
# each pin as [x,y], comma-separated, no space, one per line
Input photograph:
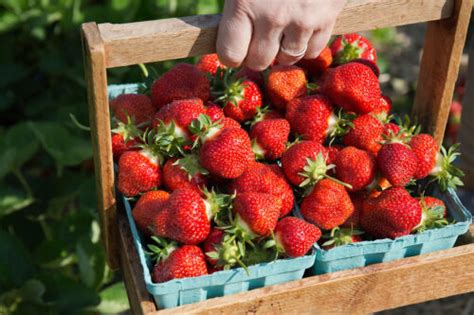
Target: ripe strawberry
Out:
[222,251]
[365,134]
[333,152]
[182,262]
[392,214]
[125,137]
[295,237]
[454,122]
[390,129]
[269,138]
[184,173]
[357,200]
[251,75]
[355,167]
[352,86]
[301,159]
[285,83]
[183,81]
[264,178]
[328,205]
[372,65]
[214,112]
[384,105]
[147,208]
[339,237]
[139,172]
[318,65]
[209,64]
[352,46]
[397,163]
[256,214]
[431,162]
[434,214]
[137,107]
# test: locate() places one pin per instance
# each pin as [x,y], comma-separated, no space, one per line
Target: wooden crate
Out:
[362,290]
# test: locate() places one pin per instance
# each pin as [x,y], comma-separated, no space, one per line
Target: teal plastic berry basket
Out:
[191,290]
[371,252]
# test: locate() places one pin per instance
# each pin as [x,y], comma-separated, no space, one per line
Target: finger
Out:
[233,38]
[294,45]
[317,42]
[264,46]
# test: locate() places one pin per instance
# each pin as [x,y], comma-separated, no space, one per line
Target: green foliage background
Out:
[51,260]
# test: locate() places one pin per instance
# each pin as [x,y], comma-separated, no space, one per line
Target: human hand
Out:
[255,32]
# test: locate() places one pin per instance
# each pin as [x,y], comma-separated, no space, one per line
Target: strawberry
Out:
[214,112]
[209,64]
[269,138]
[384,105]
[251,75]
[434,214]
[431,162]
[264,178]
[318,65]
[184,173]
[454,122]
[222,251]
[139,172]
[256,214]
[180,262]
[147,208]
[328,205]
[138,107]
[183,81]
[390,129]
[397,163]
[125,137]
[366,134]
[333,152]
[392,214]
[357,200]
[299,162]
[348,47]
[352,86]
[339,237]
[355,167]
[378,185]
[295,237]
[372,65]
[285,83]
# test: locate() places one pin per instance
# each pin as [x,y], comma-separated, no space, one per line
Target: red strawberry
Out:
[352,86]
[392,214]
[352,46]
[372,65]
[397,163]
[294,237]
[390,129]
[182,262]
[221,250]
[256,213]
[139,172]
[209,64]
[136,106]
[269,138]
[240,99]
[333,152]
[264,178]
[120,145]
[355,167]
[454,122]
[434,213]
[285,83]
[251,75]
[298,157]
[328,205]
[426,150]
[183,81]
[384,105]
[146,209]
[317,65]
[214,112]
[366,134]
[357,200]
[184,173]
[339,237]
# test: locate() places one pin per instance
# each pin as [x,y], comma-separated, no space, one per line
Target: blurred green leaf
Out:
[12,200]
[113,299]
[91,262]
[32,291]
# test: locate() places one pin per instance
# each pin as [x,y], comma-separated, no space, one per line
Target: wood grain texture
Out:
[358,291]
[141,303]
[96,78]
[444,42]
[151,41]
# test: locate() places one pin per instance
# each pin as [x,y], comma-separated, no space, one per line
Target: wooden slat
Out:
[444,42]
[152,41]
[96,78]
[358,291]
[141,303]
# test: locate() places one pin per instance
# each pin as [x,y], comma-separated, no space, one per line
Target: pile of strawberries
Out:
[216,159]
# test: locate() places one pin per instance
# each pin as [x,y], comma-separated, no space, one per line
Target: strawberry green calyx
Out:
[161,249]
[150,149]
[203,128]
[170,139]
[431,218]
[340,124]
[341,236]
[258,151]
[260,115]
[190,164]
[445,173]
[316,170]
[227,88]
[217,205]
[129,131]
[350,52]
[228,253]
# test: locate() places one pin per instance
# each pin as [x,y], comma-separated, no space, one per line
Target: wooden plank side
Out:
[141,303]
[444,43]
[358,291]
[96,78]
[159,40]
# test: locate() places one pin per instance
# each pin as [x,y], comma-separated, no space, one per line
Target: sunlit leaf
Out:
[113,299]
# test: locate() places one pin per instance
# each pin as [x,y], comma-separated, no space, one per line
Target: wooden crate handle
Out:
[116,45]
